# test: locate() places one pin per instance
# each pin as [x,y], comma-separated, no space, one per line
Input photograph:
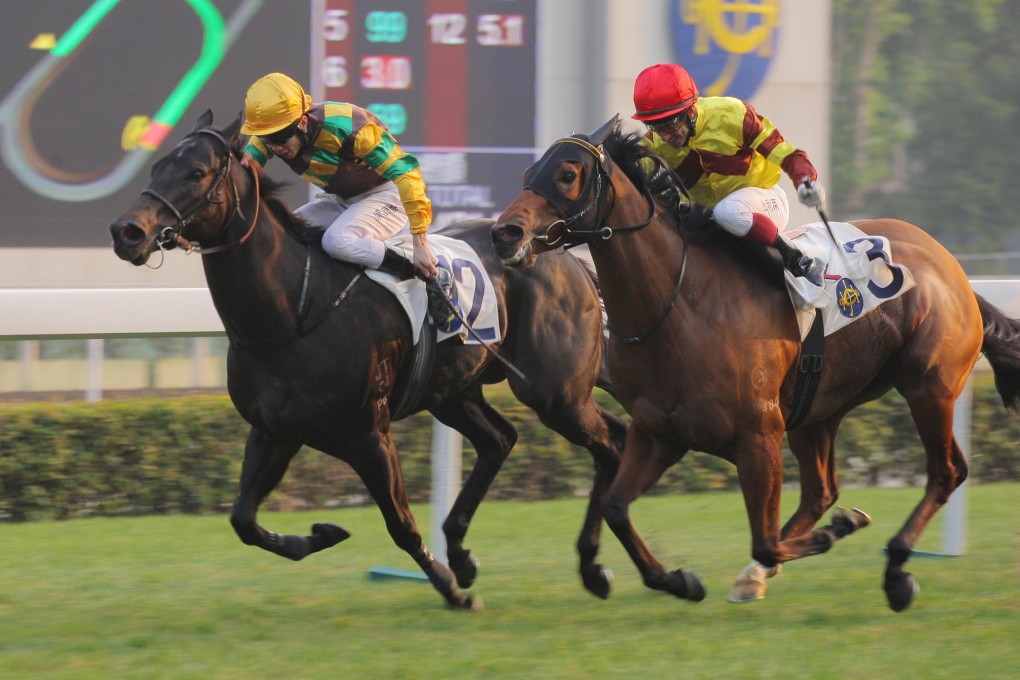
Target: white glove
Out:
[811,194]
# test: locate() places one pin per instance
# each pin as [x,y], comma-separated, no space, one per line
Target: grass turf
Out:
[181,597]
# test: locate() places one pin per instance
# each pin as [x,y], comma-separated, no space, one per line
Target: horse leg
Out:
[605,455]
[374,458]
[266,459]
[814,448]
[643,462]
[492,436]
[760,470]
[588,425]
[947,469]
[759,467]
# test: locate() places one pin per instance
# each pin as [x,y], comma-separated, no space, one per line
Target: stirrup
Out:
[809,268]
[440,305]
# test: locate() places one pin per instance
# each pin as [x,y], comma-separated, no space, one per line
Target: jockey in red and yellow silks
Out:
[729,158]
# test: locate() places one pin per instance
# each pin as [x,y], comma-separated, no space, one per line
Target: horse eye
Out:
[196,175]
[568,177]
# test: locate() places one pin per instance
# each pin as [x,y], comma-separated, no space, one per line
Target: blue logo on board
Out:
[726,45]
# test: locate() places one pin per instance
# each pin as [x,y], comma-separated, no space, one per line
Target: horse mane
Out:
[628,152]
[693,220]
[295,227]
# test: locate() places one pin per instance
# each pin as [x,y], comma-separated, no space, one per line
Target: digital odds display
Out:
[454,80]
[92,92]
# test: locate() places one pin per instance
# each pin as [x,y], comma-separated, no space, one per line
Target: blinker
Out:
[539,177]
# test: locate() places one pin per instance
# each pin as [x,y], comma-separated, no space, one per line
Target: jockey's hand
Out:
[252,164]
[811,194]
[424,259]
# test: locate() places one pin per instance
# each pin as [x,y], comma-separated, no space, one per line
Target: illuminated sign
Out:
[93,91]
[454,80]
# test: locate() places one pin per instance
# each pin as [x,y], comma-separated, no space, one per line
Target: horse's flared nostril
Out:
[507,233]
[127,233]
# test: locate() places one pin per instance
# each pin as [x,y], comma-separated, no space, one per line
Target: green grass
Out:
[181,597]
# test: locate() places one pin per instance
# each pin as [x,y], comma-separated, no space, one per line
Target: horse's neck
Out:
[639,269]
[256,285]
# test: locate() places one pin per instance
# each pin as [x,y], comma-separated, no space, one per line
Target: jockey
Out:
[729,158]
[372,188]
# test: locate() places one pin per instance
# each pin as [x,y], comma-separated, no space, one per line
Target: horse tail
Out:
[1001,346]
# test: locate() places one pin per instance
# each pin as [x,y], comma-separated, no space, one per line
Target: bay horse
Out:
[317,350]
[705,347]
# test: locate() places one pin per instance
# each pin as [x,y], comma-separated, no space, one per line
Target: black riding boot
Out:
[797,262]
[398,265]
[440,307]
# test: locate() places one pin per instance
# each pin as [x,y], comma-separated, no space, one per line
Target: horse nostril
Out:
[509,233]
[127,233]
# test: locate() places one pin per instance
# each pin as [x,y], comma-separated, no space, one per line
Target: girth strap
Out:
[414,377]
[809,371]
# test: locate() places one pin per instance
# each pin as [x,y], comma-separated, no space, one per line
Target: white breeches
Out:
[356,227]
[735,212]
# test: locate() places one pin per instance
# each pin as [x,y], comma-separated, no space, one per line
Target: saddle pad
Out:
[472,289]
[861,275]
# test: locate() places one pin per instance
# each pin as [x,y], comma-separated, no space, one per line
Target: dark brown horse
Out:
[318,350]
[706,348]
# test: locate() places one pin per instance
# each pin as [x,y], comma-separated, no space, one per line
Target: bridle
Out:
[566,231]
[563,233]
[171,236]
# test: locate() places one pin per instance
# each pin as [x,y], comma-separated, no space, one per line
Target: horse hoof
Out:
[465,568]
[598,581]
[328,534]
[900,592]
[471,603]
[694,588]
[743,592]
[848,521]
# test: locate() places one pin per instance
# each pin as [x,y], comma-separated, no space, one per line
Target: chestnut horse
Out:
[317,351]
[706,345]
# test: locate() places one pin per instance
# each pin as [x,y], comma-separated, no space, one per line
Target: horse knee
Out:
[245,529]
[614,510]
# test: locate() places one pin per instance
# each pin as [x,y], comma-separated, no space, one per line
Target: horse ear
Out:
[231,132]
[603,133]
[205,120]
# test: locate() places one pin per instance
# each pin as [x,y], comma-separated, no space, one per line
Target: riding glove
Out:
[811,194]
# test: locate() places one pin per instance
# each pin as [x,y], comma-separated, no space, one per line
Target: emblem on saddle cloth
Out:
[861,275]
[472,290]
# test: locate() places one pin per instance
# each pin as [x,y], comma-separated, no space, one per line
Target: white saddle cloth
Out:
[861,275]
[472,289]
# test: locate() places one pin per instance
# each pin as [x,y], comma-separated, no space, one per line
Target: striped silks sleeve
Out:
[257,150]
[380,151]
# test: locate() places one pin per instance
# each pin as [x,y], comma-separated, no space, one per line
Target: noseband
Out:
[171,237]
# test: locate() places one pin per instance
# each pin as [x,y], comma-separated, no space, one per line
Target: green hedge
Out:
[183,455]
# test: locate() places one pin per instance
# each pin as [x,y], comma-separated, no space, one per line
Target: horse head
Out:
[563,198]
[192,198]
